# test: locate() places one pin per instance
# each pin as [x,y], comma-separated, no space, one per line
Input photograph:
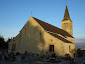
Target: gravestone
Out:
[0,55]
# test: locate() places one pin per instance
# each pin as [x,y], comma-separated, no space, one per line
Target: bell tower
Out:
[67,23]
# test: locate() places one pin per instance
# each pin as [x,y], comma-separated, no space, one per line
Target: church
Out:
[37,36]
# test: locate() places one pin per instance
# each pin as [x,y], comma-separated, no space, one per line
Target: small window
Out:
[40,33]
[69,48]
[70,27]
[66,25]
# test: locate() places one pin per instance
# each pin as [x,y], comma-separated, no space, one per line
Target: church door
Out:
[51,48]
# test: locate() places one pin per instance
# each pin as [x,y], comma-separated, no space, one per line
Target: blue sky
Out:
[15,13]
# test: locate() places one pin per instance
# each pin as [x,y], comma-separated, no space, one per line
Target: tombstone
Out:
[22,56]
[3,57]
[72,61]
[47,54]
[25,53]
[0,55]
[11,56]
[6,57]
[18,59]
[17,53]
[42,53]
[30,53]
[53,55]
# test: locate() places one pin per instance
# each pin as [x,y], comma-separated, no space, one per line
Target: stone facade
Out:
[67,26]
[35,38]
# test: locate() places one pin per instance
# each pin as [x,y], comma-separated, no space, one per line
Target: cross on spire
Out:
[66,1]
[31,12]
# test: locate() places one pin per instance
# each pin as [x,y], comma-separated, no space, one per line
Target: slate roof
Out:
[51,28]
[66,14]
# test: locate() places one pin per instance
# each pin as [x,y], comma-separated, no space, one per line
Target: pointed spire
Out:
[66,14]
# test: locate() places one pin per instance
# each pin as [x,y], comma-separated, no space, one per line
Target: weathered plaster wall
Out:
[33,38]
[30,37]
[67,26]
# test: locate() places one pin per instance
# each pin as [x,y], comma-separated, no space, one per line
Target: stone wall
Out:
[33,38]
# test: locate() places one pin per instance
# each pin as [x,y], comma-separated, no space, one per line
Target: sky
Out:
[15,13]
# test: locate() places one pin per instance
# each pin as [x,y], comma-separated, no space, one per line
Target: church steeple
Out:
[67,23]
[66,14]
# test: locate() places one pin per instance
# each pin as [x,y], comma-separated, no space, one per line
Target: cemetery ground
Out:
[30,58]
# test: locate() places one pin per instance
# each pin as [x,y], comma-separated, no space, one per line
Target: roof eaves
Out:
[60,38]
[51,30]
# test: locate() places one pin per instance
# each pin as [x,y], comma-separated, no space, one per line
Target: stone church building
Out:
[37,36]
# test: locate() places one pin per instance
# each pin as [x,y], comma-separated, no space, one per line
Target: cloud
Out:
[79,42]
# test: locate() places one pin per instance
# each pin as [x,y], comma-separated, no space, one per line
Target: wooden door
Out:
[51,48]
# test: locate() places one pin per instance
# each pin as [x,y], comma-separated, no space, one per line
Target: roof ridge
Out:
[49,24]
[39,21]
